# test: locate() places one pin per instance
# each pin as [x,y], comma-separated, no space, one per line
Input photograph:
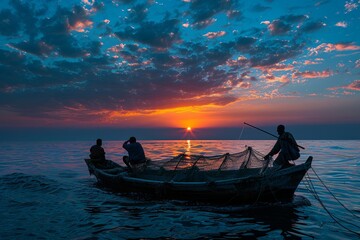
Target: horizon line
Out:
[300,132]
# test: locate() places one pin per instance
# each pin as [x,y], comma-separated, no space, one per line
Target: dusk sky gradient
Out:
[174,64]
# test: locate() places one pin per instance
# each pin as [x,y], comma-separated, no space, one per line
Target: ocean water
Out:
[46,193]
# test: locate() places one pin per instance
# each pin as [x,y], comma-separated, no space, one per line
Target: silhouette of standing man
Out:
[287,148]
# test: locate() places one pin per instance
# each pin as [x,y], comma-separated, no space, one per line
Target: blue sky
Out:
[198,63]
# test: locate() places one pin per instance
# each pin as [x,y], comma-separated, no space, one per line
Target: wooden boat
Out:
[245,184]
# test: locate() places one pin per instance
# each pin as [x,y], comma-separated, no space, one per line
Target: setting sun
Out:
[188,129]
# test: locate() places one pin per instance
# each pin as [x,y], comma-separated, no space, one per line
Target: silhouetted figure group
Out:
[286,148]
[135,151]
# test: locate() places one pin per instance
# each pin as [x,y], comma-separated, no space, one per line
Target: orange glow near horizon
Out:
[188,129]
[258,112]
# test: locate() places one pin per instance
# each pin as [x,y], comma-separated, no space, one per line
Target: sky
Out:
[135,64]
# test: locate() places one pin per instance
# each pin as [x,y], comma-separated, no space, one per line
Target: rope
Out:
[334,195]
[241,133]
[331,215]
[316,196]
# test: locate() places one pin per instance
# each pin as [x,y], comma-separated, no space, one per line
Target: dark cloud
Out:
[322,2]
[11,58]
[243,44]
[38,48]
[93,48]
[64,45]
[27,15]
[274,51]
[9,23]
[285,24]
[21,74]
[162,35]
[50,35]
[202,11]
[137,13]
[98,6]
[260,8]
[78,14]
[11,69]
[312,26]
[278,27]
[125,1]
[294,18]
[56,32]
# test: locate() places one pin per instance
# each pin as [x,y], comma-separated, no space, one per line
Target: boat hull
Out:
[273,185]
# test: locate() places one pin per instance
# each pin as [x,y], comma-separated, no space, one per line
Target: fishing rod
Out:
[268,133]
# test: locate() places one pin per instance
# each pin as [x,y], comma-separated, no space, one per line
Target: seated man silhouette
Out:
[135,151]
[97,152]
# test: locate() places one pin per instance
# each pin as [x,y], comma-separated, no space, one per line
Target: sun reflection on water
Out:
[188,147]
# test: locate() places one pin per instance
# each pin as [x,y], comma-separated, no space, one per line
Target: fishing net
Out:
[198,167]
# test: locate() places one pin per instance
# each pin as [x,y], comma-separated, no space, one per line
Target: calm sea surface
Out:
[46,193]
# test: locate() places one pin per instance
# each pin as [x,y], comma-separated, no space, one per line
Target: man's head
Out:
[280,129]
[98,142]
[132,140]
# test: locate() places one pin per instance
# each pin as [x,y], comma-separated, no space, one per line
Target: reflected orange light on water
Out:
[188,148]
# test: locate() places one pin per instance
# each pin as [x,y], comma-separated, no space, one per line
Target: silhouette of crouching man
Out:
[135,151]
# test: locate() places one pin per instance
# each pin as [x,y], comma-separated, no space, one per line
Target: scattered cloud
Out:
[185,25]
[312,74]
[329,47]
[342,24]
[308,62]
[351,6]
[271,78]
[278,67]
[354,86]
[212,35]
[80,26]
[357,63]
